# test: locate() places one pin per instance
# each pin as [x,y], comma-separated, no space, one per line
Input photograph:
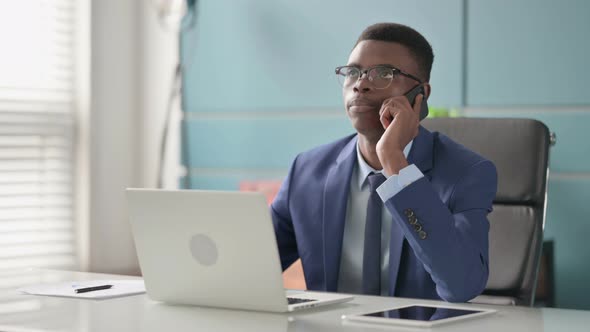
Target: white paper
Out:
[68,289]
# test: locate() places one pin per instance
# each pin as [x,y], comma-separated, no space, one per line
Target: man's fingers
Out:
[386,115]
[394,105]
[418,103]
[385,121]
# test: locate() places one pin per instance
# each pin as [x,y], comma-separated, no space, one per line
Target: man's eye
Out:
[385,75]
[352,73]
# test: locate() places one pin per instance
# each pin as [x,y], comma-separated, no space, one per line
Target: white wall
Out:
[131,69]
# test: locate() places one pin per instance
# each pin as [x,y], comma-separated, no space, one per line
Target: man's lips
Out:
[363,105]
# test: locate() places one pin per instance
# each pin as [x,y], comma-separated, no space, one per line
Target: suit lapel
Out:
[421,156]
[335,199]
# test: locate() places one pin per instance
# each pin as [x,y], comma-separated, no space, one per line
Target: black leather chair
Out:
[520,150]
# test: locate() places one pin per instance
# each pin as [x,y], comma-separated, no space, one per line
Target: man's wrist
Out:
[394,162]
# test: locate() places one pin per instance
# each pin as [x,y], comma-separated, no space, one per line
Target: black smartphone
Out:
[411,95]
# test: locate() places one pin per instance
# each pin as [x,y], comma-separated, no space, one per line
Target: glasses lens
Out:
[381,77]
[347,76]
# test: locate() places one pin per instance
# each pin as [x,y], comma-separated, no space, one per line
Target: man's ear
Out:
[427,89]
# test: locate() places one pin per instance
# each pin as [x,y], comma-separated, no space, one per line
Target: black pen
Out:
[90,289]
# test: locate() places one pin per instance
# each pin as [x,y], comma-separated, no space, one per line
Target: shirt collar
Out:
[365,169]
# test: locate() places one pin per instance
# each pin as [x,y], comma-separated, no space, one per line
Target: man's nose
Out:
[362,84]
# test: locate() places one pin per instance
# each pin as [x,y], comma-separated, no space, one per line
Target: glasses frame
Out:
[365,72]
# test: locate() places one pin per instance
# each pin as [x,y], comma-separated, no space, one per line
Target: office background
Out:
[259,87]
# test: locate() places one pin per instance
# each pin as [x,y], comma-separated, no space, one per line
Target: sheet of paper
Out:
[68,289]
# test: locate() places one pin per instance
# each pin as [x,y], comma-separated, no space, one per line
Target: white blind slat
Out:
[32,107]
[36,213]
[36,237]
[33,94]
[40,201]
[24,250]
[29,141]
[9,226]
[25,165]
[35,189]
[39,152]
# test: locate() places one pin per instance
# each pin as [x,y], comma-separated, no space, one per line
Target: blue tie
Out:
[372,247]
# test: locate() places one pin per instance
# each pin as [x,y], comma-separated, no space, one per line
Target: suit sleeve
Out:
[283,224]
[451,241]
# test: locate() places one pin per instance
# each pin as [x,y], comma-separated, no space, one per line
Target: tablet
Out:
[419,315]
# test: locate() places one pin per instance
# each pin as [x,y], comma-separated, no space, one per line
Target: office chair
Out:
[520,150]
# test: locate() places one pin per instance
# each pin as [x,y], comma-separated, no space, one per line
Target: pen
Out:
[90,289]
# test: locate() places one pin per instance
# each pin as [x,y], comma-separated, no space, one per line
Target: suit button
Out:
[408,212]
[418,228]
[413,220]
[422,235]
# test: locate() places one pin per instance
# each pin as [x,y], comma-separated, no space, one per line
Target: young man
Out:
[393,209]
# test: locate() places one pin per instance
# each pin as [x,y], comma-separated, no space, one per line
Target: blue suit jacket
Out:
[451,202]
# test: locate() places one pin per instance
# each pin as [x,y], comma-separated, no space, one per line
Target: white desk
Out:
[138,313]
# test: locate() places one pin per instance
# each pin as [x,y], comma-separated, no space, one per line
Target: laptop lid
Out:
[209,248]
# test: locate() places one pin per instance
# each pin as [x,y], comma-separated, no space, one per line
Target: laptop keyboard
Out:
[294,300]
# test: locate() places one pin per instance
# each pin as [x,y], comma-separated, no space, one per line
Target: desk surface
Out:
[20,312]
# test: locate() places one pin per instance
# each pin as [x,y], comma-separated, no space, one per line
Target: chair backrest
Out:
[520,150]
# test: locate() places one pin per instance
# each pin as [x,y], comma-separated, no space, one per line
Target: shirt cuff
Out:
[395,183]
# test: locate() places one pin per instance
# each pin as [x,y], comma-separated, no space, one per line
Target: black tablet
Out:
[419,315]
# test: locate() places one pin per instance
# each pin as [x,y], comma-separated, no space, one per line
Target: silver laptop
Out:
[212,248]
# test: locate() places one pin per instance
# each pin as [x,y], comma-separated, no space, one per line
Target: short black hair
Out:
[402,34]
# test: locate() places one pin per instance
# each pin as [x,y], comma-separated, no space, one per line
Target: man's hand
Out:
[401,123]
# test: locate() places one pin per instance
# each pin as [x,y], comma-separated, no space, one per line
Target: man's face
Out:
[361,99]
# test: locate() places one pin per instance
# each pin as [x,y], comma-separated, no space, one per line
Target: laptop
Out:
[212,248]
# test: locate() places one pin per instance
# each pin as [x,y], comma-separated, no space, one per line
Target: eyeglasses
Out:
[379,76]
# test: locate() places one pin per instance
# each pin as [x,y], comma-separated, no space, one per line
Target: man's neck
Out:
[368,147]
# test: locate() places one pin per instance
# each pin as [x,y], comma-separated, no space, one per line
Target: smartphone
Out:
[411,95]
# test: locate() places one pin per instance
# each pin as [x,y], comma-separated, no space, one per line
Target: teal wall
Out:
[528,52]
[259,87]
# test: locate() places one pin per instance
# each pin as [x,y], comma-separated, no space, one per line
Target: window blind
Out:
[37,126]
